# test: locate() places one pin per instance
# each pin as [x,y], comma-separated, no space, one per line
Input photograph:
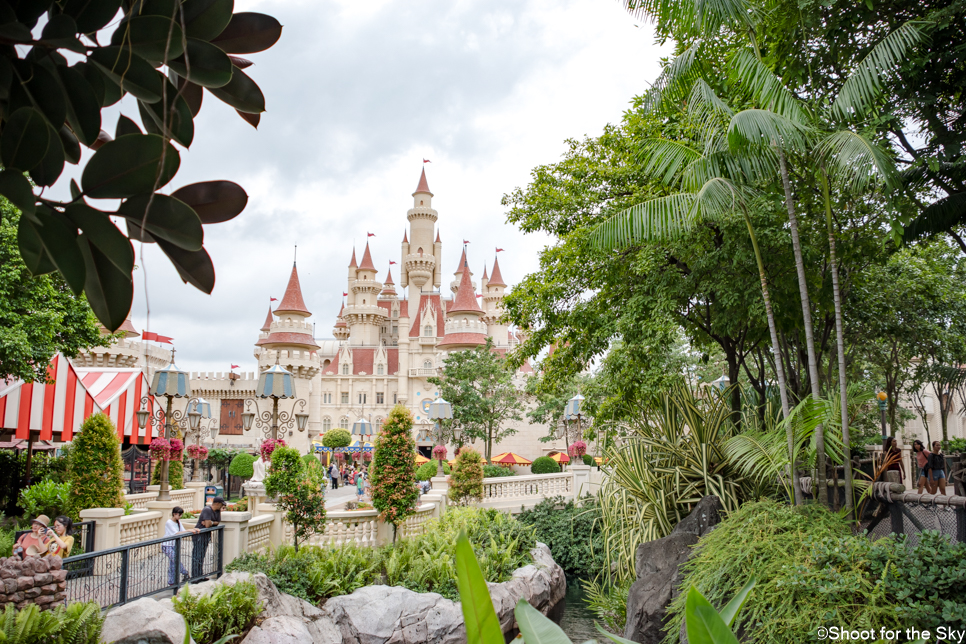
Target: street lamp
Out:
[169,382]
[439,410]
[202,423]
[573,410]
[883,400]
[276,383]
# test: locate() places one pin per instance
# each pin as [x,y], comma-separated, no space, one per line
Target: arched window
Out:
[380,370]
[344,422]
[428,364]
[428,330]
[345,370]
[326,424]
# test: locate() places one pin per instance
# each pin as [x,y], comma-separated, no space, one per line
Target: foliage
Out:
[6,542]
[954,446]
[608,602]
[496,471]
[46,497]
[242,465]
[96,471]
[311,460]
[393,470]
[175,475]
[544,465]
[299,492]
[427,471]
[269,446]
[337,437]
[228,610]
[220,458]
[479,384]
[705,624]
[78,623]
[466,482]
[56,107]
[569,528]
[588,459]
[239,506]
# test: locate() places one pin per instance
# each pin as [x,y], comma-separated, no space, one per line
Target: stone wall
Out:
[35,580]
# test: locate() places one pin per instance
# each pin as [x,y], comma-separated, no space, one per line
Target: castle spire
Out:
[268,320]
[465,295]
[423,186]
[292,301]
[496,279]
[405,237]
[462,263]
[388,279]
[366,264]
[437,236]
[352,264]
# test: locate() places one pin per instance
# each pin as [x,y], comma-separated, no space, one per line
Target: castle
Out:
[385,346]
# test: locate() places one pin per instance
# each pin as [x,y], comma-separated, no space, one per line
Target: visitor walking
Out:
[937,468]
[210,517]
[334,476]
[922,460]
[893,456]
[360,486]
[172,527]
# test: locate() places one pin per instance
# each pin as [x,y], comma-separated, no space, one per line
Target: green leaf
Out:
[704,624]
[209,66]
[91,15]
[241,93]
[102,232]
[44,91]
[129,166]
[170,219]
[6,77]
[29,10]
[125,126]
[15,187]
[206,19]
[58,236]
[194,266]
[612,637]
[731,610]
[51,166]
[61,31]
[130,72]
[71,145]
[939,216]
[248,33]
[75,191]
[15,31]
[192,93]
[765,128]
[181,126]
[106,92]
[136,233]
[482,625]
[214,201]
[155,38]
[32,248]
[25,139]
[536,628]
[109,289]
[251,119]
[83,104]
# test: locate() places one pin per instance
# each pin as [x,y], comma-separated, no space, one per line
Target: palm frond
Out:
[666,159]
[756,127]
[693,17]
[660,218]
[865,81]
[765,87]
[940,216]
[855,162]
[675,79]
[707,109]
[718,197]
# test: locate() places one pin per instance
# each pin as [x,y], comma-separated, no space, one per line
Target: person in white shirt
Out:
[171,528]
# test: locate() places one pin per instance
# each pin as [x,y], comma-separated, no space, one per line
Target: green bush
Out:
[427,471]
[466,483]
[78,623]
[299,492]
[393,471]
[242,466]
[608,602]
[338,437]
[175,475]
[954,446]
[6,543]
[544,465]
[569,529]
[289,570]
[588,459]
[496,471]
[220,458]
[46,497]
[95,469]
[228,610]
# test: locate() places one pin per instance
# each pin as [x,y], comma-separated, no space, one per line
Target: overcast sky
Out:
[358,93]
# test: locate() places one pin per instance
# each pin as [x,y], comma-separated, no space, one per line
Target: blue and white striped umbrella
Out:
[362,427]
[171,381]
[573,408]
[201,406]
[275,382]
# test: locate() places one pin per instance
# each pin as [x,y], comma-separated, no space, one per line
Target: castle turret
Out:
[464,325]
[455,284]
[388,288]
[420,258]
[341,330]
[493,290]
[364,315]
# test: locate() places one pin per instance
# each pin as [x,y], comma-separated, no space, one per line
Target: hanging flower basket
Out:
[356,456]
[367,456]
[340,457]
[269,446]
[199,452]
[177,450]
[160,448]
[439,452]
[578,449]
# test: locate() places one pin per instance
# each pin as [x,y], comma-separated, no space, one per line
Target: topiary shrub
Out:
[310,460]
[299,492]
[338,437]
[466,483]
[393,471]
[496,471]
[588,459]
[544,465]
[242,466]
[427,471]
[95,470]
[175,475]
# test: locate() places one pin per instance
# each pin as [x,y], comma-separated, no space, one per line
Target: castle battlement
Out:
[223,375]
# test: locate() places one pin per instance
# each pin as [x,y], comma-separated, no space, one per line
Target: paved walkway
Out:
[335,499]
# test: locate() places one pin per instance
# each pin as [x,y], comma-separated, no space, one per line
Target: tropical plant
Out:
[299,492]
[220,458]
[6,542]
[77,623]
[570,530]
[96,471]
[544,465]
[466,482]
[608,601]
[337,437]
[242,465]
[231,609]
[393,471]
[46,497]
[427,471]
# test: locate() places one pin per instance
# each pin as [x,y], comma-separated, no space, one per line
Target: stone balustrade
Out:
[191,497]
[142,526]
[140,501]
[259,532]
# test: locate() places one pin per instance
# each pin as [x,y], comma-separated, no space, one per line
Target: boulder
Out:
[144,621]
[280,630]
[658,572]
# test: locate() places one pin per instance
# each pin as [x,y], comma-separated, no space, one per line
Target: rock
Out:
[40,564]
[143,621]
[32,593]
[23,583]
[56,563]
[658,575]
[279,630]
[382,614]
[10,586]
[43,579]
[59,575]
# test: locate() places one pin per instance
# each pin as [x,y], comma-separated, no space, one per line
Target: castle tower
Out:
[388,287]
[363,314]
[465,328]
[420,252]
[493,290]
[455,284]
[341,330]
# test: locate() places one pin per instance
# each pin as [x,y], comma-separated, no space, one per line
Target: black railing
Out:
[116,576]
[83,533]
[882,518]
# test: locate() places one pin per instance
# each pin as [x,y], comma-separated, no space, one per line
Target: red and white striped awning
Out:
[56,409]
[118,392]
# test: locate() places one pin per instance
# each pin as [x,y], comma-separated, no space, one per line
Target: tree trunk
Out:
[820,464]
[840,346]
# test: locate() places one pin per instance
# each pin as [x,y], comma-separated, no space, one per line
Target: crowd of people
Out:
[350,474]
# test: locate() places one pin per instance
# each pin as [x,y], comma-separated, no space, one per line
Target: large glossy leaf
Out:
[482,624]
[25,139]
[125,126]
[241,93]
[29,10]
[129,72]
[731,610]
[214,201]
[102,232]
[251,119]
[180,124]
[129,166]
[91,15]
[248,33]
[942,215]
[536,628]
[194,266]
[155,38]
[105,90]
[136,233]
[704,624]
[44,90]
[611,636]
[206,65]
[51,166]
[58,236]
[32,248]
[15,187]
[109,289]
[170,219]
[15,31]
[206,19]
[6,77]
[83,105]
[192,93]
[71,145]
[61,31]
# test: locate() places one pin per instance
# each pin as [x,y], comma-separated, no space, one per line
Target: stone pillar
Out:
[107,531]
[199,488]
[235,534]
[165,508]
[440,484]
[276,533]
[581,474]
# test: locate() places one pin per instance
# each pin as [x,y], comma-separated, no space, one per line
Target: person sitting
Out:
[33,543]
[61,540]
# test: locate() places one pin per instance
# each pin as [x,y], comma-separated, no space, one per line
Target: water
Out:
[573,616]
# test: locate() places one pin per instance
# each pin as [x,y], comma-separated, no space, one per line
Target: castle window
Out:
[380,398]
[428,330]
[345,370]
[327,399]
[326,424]
[344,422]
[394,398]
[362,399]
[380,370]
[428,364]
[345,397]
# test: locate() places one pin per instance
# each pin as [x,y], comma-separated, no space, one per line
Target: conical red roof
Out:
[484,272]
[497,278]
[292,301]
[389,278]
[465,296]
[405,238]
[366,264]
[268,320]
[437,236]
[353,264]
[129,330]
[459,270]
[423,185]
[338,320]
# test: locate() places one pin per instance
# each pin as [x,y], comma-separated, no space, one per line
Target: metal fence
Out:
[116,576]
[83,533]
[910,517]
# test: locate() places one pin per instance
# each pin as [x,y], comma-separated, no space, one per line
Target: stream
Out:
[573,616]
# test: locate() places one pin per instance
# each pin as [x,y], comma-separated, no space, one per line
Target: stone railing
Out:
[140,501]
[191,498]
[143,526]
[358,527]
[514,493]
[187,499]
[259,532]
[416,524]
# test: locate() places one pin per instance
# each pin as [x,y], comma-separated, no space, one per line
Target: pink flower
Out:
[177,448]
[578,449]
[160,448]
[269,446]
[439,452]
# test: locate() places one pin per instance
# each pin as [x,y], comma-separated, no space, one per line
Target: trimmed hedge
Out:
[544,465]
[242,466]
[95,469]
[427,471]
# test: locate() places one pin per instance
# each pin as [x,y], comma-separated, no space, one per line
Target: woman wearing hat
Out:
[35,542]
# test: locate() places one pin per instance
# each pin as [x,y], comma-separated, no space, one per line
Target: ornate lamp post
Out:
[439,410]
[200,418]
[572,412]
[276,383]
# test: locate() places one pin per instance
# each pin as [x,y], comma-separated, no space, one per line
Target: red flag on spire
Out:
[479,295]
[370,234]
[147,335]
[499,250]
[164,339]
[273,299]
[391,262]
[234,366]
[426,161]
[465,242]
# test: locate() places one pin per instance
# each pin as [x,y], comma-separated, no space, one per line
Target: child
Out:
[360,483]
